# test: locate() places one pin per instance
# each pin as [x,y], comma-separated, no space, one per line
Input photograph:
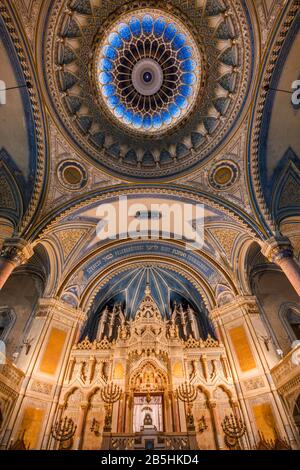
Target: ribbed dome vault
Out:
[166,286]
[147,90]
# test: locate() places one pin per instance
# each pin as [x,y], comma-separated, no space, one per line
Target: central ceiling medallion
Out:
[148,90]
[148,71]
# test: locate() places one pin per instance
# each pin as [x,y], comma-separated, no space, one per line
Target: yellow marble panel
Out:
[242,348]
[265,421]
[53,351]
[177,369]
[119,371]
[31,426]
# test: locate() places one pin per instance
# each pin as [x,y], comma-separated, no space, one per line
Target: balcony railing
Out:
[11,376]
[163,441]
[286,374]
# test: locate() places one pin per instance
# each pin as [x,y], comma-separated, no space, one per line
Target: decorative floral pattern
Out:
[146,146]
[148,69]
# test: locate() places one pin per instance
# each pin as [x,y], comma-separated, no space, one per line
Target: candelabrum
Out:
[110,394]
[202,424]
[187,393]
[234,429]
[63,430]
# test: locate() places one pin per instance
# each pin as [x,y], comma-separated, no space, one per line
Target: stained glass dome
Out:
[148,70]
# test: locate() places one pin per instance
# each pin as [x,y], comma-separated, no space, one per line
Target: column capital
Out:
[276,249]
[239,306]
[16,250]
[211,404]
[60,310]
[84,405]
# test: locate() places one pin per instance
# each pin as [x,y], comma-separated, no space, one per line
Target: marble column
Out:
[280,252]
[15,252]
[81,424]
[212,406]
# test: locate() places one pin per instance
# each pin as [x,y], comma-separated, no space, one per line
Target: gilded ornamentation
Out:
[41,387]
[187,393]
[17,250]
[173,330]
[28,13]
[224,175]
[86,344]
[226,238]
[63,431]
[277,249]
[37,113]
[69,239]
[72,175]
[234,429]
[210,342]
[254,383]
[224,88]
[110,394]
[202,426]
[255,140]
[7,200]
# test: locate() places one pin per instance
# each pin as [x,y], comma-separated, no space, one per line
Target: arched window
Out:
[294,322]
[290,316]
[7,320]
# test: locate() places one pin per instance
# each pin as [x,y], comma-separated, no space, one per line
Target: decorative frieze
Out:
[41,387]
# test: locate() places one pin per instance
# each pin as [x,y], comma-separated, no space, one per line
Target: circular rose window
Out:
[148,71]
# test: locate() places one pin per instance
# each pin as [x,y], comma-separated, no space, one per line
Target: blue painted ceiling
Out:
[167,287]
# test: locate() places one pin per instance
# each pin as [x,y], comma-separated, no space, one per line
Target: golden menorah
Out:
[110,394]
[187,393]
[234,429]
[63,430]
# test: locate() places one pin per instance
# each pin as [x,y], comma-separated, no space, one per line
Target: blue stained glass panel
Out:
[147,24]
[147,121]
[159,27]
[174,110]
[157,121]
[189,78]
[137,120]
[170,32]
[113,101]
[120,110]
[105,65]
[166,117]
[181,101]
[185,90]
[135,26]
[109,52]
[188,65]
[185,53]
[105,78]
[128,116]
[178,41]
[108,90]
[124,31]
[115,40]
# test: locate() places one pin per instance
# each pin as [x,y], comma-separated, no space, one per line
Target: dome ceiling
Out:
[148,70]
[147,91]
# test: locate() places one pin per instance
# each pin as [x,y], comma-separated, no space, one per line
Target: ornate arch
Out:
[140,373]
[288,15]
[28,68]
[289,309]
[52,220]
